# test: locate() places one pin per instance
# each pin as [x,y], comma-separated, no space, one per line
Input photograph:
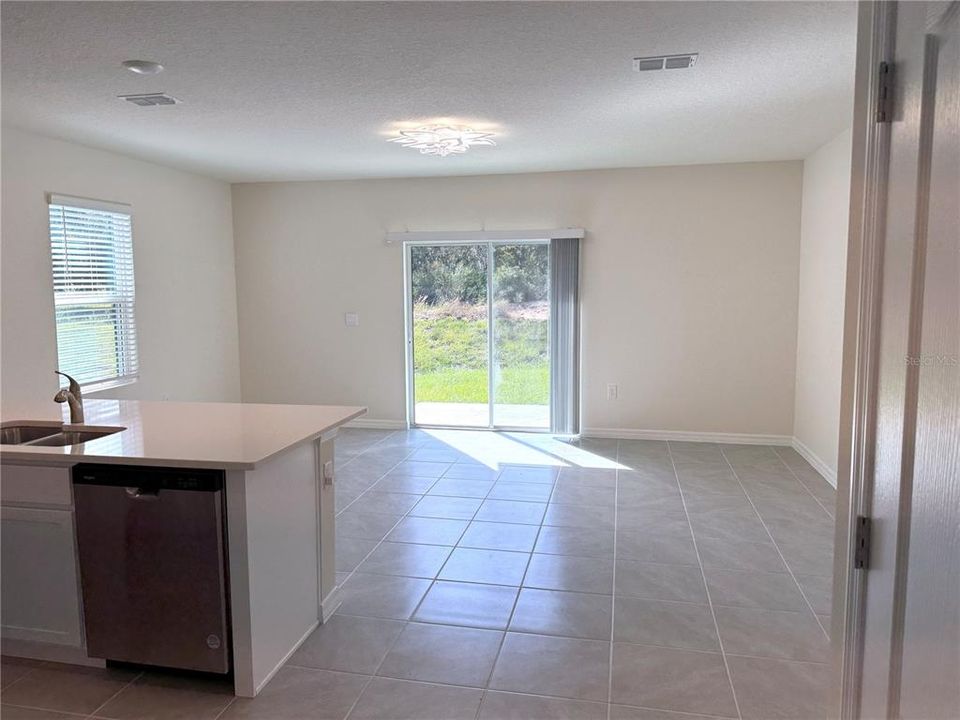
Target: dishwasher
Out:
[153,565]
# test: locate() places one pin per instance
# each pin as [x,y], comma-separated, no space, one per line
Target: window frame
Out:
[127,348]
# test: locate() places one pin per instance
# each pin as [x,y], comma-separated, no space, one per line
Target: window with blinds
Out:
[91,245]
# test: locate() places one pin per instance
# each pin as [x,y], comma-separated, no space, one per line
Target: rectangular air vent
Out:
[665,62]
[150,99]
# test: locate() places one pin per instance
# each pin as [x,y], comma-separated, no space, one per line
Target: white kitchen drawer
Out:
[35,485]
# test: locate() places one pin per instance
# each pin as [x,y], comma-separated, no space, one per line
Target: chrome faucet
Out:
[73,398]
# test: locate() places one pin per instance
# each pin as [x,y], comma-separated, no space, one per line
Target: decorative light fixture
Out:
[143,67]
[442,140]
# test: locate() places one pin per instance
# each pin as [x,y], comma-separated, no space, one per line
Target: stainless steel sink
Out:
[73,437]
[20,434]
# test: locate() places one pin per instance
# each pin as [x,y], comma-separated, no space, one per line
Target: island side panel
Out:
[273,548]
[326,511]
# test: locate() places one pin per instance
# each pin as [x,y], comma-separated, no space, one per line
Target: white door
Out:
[911,631]
[41,600]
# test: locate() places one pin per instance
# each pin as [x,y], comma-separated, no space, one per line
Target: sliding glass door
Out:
[478,334]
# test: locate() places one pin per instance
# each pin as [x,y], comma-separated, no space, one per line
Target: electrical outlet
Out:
[351,319]
[613,391]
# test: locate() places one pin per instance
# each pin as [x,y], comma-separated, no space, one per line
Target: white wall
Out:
[823,262]
[183,257]
[689,287]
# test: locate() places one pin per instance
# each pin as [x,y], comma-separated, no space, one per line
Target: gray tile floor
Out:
[499,576]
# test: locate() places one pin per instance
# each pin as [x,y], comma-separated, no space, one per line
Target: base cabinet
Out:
[40,600]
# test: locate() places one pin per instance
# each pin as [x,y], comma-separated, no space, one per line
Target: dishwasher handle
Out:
[140,493]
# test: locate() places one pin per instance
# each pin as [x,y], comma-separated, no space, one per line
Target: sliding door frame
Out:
[491,244]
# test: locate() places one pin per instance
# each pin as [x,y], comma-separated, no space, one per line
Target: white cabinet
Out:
[41,600]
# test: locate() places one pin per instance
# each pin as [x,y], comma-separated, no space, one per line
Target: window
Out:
[91,245]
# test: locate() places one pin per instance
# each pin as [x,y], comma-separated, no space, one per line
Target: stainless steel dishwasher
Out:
[153,568]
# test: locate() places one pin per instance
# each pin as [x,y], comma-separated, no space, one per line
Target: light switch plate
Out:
[351,319]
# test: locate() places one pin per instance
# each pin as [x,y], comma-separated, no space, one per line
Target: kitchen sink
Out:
[73,437]
[20,434]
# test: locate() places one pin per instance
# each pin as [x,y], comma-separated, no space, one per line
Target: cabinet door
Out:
[41,598]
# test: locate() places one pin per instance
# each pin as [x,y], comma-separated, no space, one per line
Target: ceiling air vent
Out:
[150,99]
[665,62]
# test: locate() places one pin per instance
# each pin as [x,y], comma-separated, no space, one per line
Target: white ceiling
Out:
[307,90]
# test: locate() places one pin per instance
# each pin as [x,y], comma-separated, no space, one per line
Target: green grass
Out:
[517,386]
[450,360]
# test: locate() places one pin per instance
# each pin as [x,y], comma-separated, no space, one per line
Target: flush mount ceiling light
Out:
[442,140]
[143,67]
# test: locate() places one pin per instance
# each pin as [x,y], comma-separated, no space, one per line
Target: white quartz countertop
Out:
[232,436]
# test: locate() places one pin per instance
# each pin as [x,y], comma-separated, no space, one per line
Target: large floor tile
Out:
[658,581]
[352,551]
[470,471]
[780,689]
[512,706]
[591,516]
[496,567]
[530,474]
[470,604]
[403,484]
[528,492]
[568,572]
[453,508]
[574,492]
[642,545]
[13,712]
[13,669]
[296,693]
[461,487]
[772,634]
[584,542]
[561,667]
[444,654]
[818,590]
[421,468]
[67,688]
[735,555]
[625,712]
[669,624]
[382,596]
[370,526]
[569,614]
[347,643]
[770,591]
[500,536]
[403,700]
[669,679]
[389,503]
[512,511]
[406,559]
[432,531]
[156,696]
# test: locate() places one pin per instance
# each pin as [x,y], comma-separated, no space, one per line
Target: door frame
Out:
[491,241]
[874,458]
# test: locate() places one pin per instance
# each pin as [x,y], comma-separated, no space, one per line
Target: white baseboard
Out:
[682,435]
[374,424]
[283,660]
[329,605]
[828,473]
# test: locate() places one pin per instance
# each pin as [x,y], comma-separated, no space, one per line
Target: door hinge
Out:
[861,549]
[885,93]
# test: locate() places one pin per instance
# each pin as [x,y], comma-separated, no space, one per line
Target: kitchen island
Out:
[277,476]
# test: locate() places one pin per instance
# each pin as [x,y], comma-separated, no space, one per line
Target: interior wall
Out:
[184,269]
[689,287]
[823,261]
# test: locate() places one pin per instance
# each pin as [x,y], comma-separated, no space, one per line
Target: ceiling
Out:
[310,90]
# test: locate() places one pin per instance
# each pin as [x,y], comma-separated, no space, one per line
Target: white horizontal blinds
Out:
[92,250]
